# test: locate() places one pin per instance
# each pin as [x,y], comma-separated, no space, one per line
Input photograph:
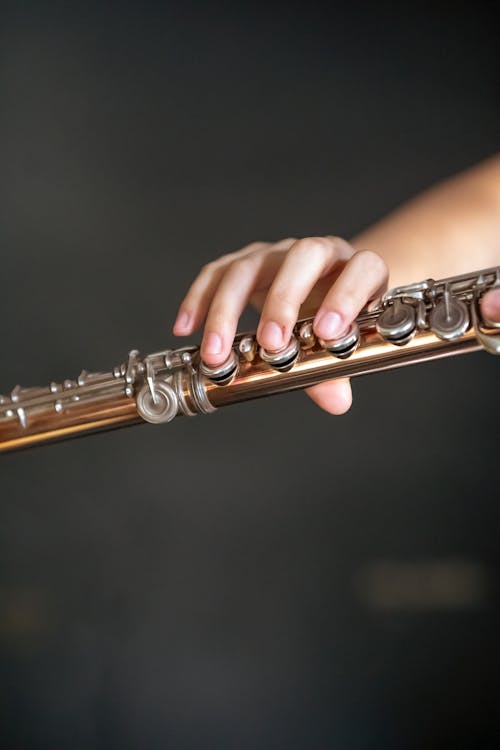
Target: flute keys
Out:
[397,323]
[306,335]
[344,345]
[248,348]
[449,319]
[282,359]
[159,405]
[222,374]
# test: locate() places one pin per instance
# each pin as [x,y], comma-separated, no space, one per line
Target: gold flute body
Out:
[415,323]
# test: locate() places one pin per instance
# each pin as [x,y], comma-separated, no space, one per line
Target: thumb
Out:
[490,307]
[334,396]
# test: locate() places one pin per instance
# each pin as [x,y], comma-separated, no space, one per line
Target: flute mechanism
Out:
[410,324]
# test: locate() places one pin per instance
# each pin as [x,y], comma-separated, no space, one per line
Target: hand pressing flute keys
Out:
[443,232]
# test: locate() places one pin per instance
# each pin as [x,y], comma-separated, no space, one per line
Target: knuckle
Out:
[257,245]
[244,266]
[310,246]
[335,239]
[208,268]
[217,263]
[314,242]
[262,253]
[373,262]
[223,260]
[250,248]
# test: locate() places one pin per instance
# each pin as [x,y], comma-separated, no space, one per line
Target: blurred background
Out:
[269,576]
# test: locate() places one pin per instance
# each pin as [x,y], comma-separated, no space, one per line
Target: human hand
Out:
[286,280]
[490,306]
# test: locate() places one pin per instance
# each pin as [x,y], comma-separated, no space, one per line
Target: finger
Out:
[364,277]
[334,396]
[490,306]
[253,271]
[305,263]
[193,308]
[231,298]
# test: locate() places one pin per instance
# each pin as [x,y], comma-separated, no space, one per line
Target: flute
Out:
[410,324]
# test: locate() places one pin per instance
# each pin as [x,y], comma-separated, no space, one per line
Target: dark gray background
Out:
[198,584]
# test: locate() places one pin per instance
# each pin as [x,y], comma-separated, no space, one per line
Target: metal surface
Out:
[159,386]
[344,345]
[282,359]
[398,321]
[449,319]
[248,348]
[222,373]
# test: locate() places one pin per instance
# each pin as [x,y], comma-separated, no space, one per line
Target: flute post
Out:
[411,324]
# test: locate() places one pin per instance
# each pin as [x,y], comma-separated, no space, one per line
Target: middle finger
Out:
[307,261]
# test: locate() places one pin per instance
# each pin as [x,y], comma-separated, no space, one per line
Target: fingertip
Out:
[490,305]
[343,402]
[180,331]
[333,396]
[213,349]
[183,324]
[328,324]
[271,336]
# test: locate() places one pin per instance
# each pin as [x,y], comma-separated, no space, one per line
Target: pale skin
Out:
[451,228]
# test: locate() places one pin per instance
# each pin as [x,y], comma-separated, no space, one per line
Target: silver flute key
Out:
[411,324]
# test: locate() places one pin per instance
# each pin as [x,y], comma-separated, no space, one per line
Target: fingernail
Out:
[212,343]
[182,320]
[272,335]
[328,325]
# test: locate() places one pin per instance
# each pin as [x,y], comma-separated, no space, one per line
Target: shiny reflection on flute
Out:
[411,324]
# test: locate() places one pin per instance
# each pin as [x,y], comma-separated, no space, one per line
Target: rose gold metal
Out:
[315,365]
[76,420]
[101,401]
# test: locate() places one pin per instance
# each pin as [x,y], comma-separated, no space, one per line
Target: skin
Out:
[452,228]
